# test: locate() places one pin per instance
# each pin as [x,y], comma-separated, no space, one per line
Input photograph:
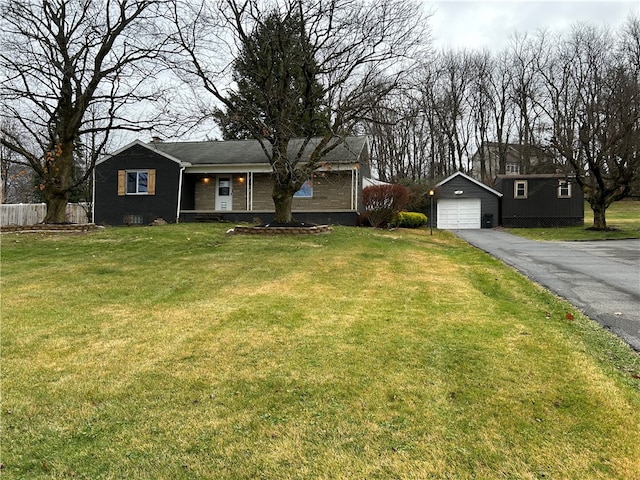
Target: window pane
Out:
[132,182]
[143,182]
[521,189]
[306,191]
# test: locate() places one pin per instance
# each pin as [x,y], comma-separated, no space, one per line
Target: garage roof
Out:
[480,184]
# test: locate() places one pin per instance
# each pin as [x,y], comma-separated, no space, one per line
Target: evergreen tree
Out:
[277,93]
[303,70]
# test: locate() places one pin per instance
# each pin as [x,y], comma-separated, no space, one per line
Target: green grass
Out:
[178,352]
[623,218]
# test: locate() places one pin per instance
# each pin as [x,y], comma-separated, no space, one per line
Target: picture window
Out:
[306,191]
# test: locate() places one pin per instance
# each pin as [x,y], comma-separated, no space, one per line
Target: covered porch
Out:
[332,196]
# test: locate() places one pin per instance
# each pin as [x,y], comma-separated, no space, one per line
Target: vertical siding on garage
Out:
[489,201]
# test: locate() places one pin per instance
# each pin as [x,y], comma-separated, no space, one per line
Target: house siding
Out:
[542,207]
[331,191]
[113,209]
[240,185]
[205,194]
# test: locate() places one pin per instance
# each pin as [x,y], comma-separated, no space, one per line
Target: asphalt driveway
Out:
[601,278]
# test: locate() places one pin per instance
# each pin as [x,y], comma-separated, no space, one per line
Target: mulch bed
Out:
[281,230]
[50,228]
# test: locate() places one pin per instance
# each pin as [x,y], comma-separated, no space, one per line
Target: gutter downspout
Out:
[179,194]
[93,196]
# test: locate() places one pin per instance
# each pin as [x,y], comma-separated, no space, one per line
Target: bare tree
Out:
[357,51]
[74,56]
[452,106]
[594,104]
[526,51]
[17,183]
[400,138]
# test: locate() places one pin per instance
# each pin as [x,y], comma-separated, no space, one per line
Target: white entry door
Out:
[224,199]
[459,213]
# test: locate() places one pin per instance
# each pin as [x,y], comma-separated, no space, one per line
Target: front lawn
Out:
[178,352]
[623,220]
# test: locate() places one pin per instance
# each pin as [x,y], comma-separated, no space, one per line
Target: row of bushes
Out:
[411,220]
[384,206]
[399,219]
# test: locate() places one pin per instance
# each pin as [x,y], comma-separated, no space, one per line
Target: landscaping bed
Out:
[49,227]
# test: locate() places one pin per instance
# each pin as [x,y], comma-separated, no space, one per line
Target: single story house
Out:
[462,202]
[544,200]
[222,180]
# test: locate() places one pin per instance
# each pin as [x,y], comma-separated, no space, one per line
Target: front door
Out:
[224,199]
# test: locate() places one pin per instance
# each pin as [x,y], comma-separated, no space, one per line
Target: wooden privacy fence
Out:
[33,213]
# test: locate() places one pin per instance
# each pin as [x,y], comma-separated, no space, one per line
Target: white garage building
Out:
[463,203]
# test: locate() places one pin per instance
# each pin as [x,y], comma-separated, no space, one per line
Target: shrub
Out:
[411,219]
[383,202]
[418,195]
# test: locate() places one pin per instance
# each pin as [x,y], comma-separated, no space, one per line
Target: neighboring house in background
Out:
[518,160]
[551,200]
[229,180]
[463,202]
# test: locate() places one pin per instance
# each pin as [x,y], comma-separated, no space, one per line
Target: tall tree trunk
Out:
[282,200]
[599,218]
[56,207]
[57,180]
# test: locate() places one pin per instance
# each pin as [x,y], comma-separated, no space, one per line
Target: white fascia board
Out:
[141,143]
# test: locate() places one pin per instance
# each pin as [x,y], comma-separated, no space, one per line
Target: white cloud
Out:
[477,24]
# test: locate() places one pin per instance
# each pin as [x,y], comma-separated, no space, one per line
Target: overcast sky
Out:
[478,24]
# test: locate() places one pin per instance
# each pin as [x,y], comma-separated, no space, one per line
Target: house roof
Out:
[472,180]
[243,152]
[516,150]
[518,176]
[131,145]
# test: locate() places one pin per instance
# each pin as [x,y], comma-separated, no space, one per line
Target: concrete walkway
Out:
[601,278]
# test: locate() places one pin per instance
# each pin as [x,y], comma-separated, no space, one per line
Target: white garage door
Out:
[459,213]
